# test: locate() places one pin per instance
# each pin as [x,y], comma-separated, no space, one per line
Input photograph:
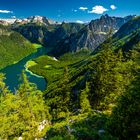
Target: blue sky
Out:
[68,10]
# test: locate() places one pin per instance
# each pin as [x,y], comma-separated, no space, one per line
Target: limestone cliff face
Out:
[127,38]
[46,34]
[92,35]
[68,37]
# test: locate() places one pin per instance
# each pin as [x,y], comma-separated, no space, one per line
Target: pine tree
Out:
[8,112]
[32,108]
[103,76]
[60,100]
[3,88]
[21,114]
[9,125]
[110,76]
[84,101]
[125,122]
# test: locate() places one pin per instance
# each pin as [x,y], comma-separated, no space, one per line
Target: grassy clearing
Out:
[37,46]
[30,63]
[53,70]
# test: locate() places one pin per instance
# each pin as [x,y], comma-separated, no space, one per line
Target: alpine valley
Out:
[70,81]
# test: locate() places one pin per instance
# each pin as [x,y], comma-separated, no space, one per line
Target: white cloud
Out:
[74,10]
[83,8]
[6,11]
[113,7]
[79,21]
[98,9]
[13,16]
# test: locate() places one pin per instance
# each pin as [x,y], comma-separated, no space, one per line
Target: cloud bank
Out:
[83,8]
[113,7]
[79,21]
[98,9]
[6,11]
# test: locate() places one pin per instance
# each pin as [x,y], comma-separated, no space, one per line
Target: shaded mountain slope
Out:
[46,34]
[91,36]
[127,38]
[13,47]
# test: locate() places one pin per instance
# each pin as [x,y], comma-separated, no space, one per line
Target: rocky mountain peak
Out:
[105,16]
[92,35]
[106,22]
[7,21]
[70,37]
[36,19]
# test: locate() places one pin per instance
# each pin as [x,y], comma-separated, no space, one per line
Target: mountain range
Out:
[68,37]
[61,38]
[92,81]
[92,35]
[127,37]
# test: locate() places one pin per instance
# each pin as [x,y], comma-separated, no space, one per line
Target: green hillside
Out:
[99,91]
[85,88]
[89,96]
[13,47]
[49,35]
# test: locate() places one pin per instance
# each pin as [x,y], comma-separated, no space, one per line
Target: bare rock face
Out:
[128,36]
[7,22]
[35,19]
[92,35]
[68,37]
[128,28]
[44,31]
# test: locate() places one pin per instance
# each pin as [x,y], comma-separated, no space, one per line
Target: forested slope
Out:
[13,47]
[89,96]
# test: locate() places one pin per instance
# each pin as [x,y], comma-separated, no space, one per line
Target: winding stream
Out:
[14,71]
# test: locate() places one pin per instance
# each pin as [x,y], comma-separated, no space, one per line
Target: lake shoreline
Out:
[13,80]
[27,70]
[36,47]
[31,63]
[15,62]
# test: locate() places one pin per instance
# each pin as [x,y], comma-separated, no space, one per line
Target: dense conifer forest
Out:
[95,97]
[90,95]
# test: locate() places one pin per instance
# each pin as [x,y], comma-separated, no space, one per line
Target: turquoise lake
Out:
[13,72]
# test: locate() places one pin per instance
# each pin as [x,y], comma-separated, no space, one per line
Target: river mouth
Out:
[13,72]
